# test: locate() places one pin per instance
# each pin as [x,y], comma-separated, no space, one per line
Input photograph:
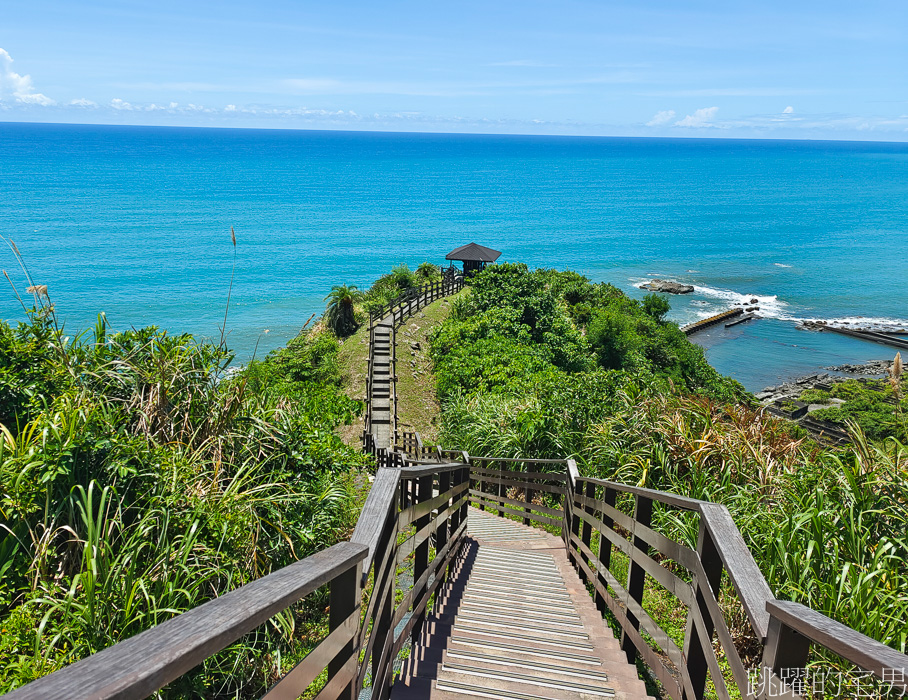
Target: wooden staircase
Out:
[514,621]
[380,395]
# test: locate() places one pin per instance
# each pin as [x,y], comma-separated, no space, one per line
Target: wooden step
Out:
[514,621]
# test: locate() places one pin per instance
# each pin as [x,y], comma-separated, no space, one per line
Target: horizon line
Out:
[711,136]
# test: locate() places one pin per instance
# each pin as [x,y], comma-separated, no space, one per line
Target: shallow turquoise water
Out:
[135,222]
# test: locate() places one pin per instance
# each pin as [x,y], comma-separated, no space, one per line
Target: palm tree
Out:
[339,312]
[427,271]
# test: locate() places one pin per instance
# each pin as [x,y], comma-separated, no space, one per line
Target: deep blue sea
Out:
[135,222]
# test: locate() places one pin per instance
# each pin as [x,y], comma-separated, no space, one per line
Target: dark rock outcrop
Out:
[667,286]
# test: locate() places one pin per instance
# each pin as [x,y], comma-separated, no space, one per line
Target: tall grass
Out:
[138,480]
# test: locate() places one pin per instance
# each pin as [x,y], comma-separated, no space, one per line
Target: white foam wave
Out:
[781,265]
[866,323]
[770,306]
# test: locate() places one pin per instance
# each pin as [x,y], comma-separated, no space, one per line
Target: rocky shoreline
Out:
[793,389]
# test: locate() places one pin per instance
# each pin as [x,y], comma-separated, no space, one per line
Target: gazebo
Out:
[474,257]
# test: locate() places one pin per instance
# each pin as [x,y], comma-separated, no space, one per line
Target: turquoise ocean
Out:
[135,222]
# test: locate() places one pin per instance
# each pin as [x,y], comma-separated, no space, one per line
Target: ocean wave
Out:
[866,323]
[781,265]
[770,305]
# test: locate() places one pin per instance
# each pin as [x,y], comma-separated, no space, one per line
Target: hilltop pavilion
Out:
[473,256]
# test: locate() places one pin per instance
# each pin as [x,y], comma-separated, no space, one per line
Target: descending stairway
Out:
[515,622]
[380,398]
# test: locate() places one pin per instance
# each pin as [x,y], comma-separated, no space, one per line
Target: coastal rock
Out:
[872,368]
[754,301]
[667,286]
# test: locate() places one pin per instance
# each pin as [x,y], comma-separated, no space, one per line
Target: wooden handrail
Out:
[784,629]
[787,650]
[374,515]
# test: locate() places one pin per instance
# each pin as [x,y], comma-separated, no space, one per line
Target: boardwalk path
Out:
[514,621]
[382,411]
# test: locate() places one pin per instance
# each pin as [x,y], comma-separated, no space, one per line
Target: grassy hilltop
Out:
[547,364]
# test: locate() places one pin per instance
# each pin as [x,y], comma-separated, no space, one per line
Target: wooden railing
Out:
[605,521]
[410,527]
[531,489]
[410,530]
[412,300]
[414,520]
[407,304]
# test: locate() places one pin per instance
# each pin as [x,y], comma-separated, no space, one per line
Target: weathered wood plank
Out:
[547,476]
[375,513]
[859,649]
[671,549]
[297,679]
[420,470]
[671,499]
[522,483]
[522,460]
[493,500]
[743,571]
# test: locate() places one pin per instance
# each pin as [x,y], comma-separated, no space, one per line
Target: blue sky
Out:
[772,69]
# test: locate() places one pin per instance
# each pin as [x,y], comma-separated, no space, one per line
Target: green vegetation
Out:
[391,285]
[871,404]
[545,364]
[815,396]
[418,407]
[339,314]
[138,479]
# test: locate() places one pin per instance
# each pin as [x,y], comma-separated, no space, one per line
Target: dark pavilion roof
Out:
[473,253]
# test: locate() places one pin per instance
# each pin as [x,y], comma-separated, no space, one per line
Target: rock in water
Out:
[667,286]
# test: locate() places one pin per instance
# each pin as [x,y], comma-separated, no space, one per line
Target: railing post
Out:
[421,555]
[785,649]
[574,525]
[696,667]
[441,533]
[345,598]
[467,476]
[636,575]
[605,546]
[528,499]
[384,614]
[587,534]
[499,489]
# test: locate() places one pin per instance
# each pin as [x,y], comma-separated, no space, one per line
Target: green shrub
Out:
[815,396]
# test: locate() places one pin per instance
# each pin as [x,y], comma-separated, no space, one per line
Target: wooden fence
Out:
[412,521]
[407,304]
[604,521]
[411,528]
[412,300]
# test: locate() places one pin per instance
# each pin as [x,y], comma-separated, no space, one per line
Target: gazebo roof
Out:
[473,253]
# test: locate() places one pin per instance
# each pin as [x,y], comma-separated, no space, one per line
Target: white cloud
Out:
[788,110]
[660,118]
[82,102]
[19,87]
[700,119]
[230,108]
[117,103]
